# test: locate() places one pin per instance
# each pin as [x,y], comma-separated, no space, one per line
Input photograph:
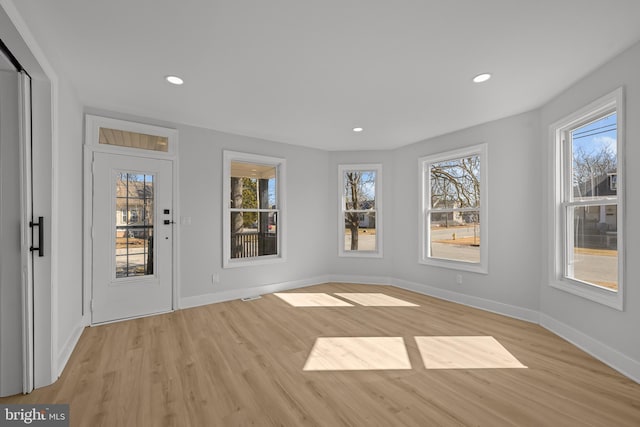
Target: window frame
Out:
[281,229]
[342,169]
[559,238]
[424,217]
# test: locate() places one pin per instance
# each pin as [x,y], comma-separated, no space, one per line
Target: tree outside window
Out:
[454,209]
[359,210]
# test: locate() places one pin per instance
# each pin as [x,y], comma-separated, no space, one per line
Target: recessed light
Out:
[175,80]
[482,78]
[358,129]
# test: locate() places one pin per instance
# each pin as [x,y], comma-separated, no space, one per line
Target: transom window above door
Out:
[125,137]
[142,141]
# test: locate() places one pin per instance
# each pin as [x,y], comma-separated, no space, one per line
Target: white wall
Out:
[615,329]
[200,192]
[67,251]
[514,191]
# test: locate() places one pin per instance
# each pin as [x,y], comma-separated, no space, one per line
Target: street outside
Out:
[599,267]
[135,262]
[456,243]
[366,239]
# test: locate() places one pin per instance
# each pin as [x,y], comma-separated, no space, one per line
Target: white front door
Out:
[132,237]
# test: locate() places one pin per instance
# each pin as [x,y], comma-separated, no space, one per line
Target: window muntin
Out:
[453,194]
[253,194]
[359,216]
[587,236]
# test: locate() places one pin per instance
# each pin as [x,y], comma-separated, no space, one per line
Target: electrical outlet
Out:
[459,279]
[215,278]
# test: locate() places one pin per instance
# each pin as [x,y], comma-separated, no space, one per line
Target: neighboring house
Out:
[367,219]
[134,207]
[447,219]
[596,226]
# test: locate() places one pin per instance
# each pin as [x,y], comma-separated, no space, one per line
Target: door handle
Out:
[167,222]
[40,225]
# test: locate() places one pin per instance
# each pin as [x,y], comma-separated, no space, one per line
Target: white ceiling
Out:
[306,72]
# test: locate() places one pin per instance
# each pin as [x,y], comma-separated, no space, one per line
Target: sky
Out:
[593,136]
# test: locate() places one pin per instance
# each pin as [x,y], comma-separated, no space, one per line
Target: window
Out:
[253,209]
[453,211]
[588,195]
[360,201]
[137,140]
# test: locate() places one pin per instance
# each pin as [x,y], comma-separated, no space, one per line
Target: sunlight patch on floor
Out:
[375,300]
[305,299]
[465,353]
[358,354]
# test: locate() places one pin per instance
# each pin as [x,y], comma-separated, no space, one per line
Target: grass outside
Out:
[608,285]
[457,240]
[598,252]
[121,242]
[362,231]
[469,241]
[583,272]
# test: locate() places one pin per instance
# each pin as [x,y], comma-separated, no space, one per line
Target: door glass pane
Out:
[455,236]
[593,256]
[141,141]
[134,224]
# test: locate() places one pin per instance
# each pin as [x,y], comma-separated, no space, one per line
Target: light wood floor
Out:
[241,363]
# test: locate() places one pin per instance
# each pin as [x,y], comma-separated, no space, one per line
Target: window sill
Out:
[249,262]
[360,254]
[455,265]
[597,294]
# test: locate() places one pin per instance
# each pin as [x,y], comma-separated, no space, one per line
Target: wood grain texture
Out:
[358,354]
[241,363]
[371,299]
[311,299]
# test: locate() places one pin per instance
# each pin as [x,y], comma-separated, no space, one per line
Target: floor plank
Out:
[241,363]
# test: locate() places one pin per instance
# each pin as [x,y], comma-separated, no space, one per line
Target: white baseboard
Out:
[359,280]
[607,355]
[516,312]
[65,352]
[233,294]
